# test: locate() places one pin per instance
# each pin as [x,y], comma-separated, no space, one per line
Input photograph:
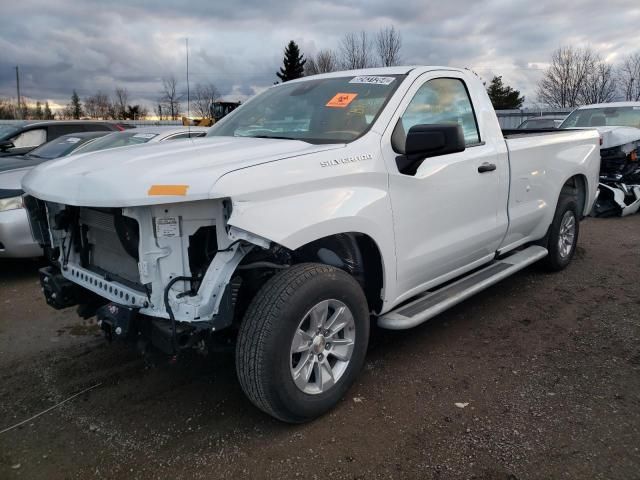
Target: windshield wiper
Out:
[276,138]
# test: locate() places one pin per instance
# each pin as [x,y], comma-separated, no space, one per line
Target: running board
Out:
[432,303]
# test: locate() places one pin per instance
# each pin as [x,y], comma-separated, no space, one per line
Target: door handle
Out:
[486,167]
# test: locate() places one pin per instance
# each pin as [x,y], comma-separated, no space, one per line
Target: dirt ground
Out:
[548,367]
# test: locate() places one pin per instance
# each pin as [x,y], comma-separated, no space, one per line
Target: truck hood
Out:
[123,177]
[616,136]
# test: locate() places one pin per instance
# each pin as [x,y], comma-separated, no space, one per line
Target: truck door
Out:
[450,214]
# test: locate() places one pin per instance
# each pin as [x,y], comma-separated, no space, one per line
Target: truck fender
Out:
[296,219]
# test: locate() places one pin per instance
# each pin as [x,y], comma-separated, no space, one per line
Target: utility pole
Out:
[18,88]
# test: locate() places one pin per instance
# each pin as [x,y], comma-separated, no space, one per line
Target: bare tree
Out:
[8,109]
[120,103]
[388,44]
[97,105]
[600,84]
[355,51]
[629,77]
[170,98]
[103,104]
[204,96]
[564,80]
[325,61]
[90,106]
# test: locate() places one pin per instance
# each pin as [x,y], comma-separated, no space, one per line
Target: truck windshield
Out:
[327,110]
[604,117]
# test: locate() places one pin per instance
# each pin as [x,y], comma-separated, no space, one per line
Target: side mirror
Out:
[431,140]
[6,145]
[425,141]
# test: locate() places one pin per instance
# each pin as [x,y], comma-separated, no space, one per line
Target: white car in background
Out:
[16,237]
[619,126]
[542,122]
[139,136]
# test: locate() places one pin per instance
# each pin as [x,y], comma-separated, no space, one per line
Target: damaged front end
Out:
[619,189]
[163,275]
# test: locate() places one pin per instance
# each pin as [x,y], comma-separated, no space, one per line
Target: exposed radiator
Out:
[107,252]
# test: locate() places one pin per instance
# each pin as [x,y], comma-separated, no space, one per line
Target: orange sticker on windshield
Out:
[341,100]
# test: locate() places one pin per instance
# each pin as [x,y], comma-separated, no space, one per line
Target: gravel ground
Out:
[538,377]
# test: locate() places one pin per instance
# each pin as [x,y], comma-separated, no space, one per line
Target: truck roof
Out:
[609,105]
[402,70]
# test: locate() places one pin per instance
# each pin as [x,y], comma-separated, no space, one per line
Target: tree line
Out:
[580,76]
[99,106]
[575,76]
[171,102]
[355,50]
[9,110]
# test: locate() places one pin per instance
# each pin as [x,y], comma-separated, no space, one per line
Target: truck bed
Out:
[515,133]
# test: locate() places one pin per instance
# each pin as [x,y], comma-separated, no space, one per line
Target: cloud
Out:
[95,45]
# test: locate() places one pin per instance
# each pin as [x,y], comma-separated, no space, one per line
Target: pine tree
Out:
[503,97]
[293,63]
[47,115]
[38,112]
[76,106]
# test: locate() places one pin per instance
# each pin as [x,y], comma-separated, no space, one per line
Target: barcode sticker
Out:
[168,227]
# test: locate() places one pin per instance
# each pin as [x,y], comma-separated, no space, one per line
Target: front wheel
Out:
[302,341]
[563,235]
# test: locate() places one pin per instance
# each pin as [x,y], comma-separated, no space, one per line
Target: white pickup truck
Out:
[322,203]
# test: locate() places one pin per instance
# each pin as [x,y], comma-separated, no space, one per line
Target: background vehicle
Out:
[139,136]
[322,201]
[542,122]
[16,238]
[21,137]
[220,110]
[619,127]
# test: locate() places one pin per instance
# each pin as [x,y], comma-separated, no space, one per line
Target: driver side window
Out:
[441,101]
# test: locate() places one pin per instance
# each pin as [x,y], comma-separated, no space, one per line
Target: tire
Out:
[277,324]
[561,253]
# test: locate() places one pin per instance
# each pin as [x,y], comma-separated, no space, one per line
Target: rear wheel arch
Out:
[576,187]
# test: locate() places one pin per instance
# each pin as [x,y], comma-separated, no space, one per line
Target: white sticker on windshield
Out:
[73,140]
[145,135]
[372,79]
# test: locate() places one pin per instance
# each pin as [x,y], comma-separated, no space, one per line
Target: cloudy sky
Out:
[91,45]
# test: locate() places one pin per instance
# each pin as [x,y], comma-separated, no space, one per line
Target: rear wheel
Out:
[563,235]
[302,341]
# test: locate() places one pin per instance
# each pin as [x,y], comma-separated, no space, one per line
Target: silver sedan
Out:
[16,238]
